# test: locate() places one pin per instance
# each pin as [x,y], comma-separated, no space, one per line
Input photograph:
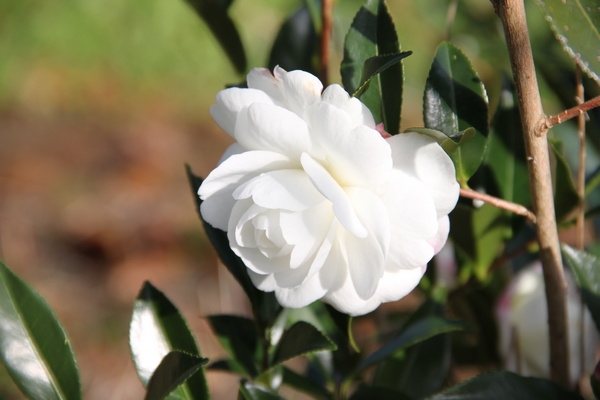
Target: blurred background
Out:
[102,103]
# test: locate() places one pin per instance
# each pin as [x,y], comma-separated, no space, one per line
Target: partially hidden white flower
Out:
[316,202]
[523,319]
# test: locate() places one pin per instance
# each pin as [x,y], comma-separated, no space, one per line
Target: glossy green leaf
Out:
[565,193]
[454,100]
[586,268]
[239,338]
[376,65]
[576,24]
[222,27]
[478,235]
[300,339]
[156,329]
[505,385]
[295,44]
[265,305]
[305,385]
[373,33]
[505,154]
[228,365]
[413,334]
[592,182]
[343,322]
[379,393]
[33,346]
[174,369]
[252,391]
[450,144]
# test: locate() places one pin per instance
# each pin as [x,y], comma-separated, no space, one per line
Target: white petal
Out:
[301,90]
[413,221]
[266,283]
[269,127]
[232,150]
[262,79]
[360,114]
[230,102]
[217,189]
[396,285]
[333,191]
[311,290]
[346,300]
[439,240]
[354,156]
[422,157]
[288,189]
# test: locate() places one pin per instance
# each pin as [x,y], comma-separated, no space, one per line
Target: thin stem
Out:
[495,201]
[327,14]
[450,16]
[512,15]
[566,115]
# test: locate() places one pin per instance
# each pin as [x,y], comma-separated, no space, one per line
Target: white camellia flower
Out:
[316,202]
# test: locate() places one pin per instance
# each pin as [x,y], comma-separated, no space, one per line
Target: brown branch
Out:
[327,26]
[450,16]
[580,220]
[495,201]
[512,15]
[566,115]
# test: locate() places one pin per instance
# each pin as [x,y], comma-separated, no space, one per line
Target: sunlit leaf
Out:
[454,100]
[565,192]
[576,24]
[413,334]
[214,14]
[301,338]
[296,43]
[373,33]
[156,329]
[505,385]
[586,268]
[174,369]
[264,305]
[305,385]
[33,346]
[376,65]
[252,391]
[239,338]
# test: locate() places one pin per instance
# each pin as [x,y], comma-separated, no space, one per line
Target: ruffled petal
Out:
[354,156]
[288,189]
[422,157]
[395,285]
[333,192]
[311,290]
[360,114]
[262,79]
[230,102]
[301,90]
[217,189]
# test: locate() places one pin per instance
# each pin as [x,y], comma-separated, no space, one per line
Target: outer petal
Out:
[422,157]
[301,90]
[269,127]
[439,240]
[262,79]
[311,290]
[354,156]
[217,189]
[230,102]
[360,114]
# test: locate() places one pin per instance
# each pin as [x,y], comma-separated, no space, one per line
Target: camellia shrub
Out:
[324,208]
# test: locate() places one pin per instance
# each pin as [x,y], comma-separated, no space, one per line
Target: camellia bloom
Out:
[316,202]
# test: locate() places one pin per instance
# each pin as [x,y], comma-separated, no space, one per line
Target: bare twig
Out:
[512,15]
[326,12]
[495,201]
[566,115]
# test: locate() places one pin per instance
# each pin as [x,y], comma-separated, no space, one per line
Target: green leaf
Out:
[565,193]
[576,26]
[343,322]
[413,334]
[174,369]
[300,339]
[586,268]
[505,385]
[295,44]
[454,100]
[592,182]
[239,338]
[376,65]
[251,391]
[33,345]
[264,305]
[305,385]
[379,393]
[505,154]
[450,144]
[156,329]
[215,16]
[372,33]
[228,365]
